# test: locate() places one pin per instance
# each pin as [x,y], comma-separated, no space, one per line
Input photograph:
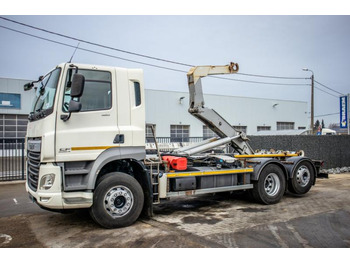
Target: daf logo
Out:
[31,146]
[65,150]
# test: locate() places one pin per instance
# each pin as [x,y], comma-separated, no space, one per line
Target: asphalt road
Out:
[320,218]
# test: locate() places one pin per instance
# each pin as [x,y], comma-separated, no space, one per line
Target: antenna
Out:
[74,53]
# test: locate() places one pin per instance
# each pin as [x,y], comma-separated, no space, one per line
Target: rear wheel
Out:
[270,187]
[303,178]
[118,201]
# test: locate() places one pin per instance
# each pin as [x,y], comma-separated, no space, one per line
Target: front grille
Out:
[33,161]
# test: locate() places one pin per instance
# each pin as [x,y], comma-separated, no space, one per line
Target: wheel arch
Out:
[112,159]
[261,163]
[293,162]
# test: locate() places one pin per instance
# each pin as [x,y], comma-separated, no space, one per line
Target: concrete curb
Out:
[12,182]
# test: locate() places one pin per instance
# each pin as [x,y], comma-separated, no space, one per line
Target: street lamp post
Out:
[312,100]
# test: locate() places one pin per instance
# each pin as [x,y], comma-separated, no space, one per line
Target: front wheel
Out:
[118,201]
[270,187]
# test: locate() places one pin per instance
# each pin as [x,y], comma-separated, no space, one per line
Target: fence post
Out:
[22,144]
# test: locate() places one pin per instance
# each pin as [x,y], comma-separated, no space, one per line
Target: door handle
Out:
[119,139]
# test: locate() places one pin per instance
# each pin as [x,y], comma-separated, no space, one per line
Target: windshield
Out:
[45,95]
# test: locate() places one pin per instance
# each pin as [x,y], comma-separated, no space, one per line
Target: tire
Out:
[270,187]
[303,178]
[118,201]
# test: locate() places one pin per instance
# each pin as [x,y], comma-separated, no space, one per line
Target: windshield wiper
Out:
[40,113]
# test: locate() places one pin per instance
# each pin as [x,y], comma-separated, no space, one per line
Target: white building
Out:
[15,105]
[167,111]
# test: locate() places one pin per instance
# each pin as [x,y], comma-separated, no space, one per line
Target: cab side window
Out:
[97,91]
[137,91]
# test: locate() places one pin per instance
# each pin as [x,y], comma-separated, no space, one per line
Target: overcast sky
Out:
[261,45]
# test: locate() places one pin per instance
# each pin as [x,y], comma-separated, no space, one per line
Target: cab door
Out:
[87,133]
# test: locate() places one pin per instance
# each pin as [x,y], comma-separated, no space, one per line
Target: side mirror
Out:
[76,91]
[74,106]
[28,86]
[78,84]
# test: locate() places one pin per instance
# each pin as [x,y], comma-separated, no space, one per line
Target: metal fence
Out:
[168,144]
[175,139]
[333,150]
[12,159]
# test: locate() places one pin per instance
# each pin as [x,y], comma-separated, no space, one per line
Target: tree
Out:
[323,126]
[317,124]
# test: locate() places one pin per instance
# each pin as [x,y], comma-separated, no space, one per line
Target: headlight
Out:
[47,181]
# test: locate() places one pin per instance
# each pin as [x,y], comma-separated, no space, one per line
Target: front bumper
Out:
[54,197]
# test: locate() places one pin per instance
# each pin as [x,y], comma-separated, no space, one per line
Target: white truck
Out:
[86,149]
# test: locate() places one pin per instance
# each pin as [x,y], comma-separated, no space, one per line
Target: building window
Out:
[241,128]
[179,133]
[301,127]
[10,101]
[149,133]
[13,126]
[208,133]
[263,128]
[285,125]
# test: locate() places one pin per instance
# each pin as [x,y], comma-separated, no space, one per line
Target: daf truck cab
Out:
[83,117]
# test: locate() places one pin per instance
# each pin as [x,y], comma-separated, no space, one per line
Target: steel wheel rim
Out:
[118,201]
[272,184]
[303,176]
